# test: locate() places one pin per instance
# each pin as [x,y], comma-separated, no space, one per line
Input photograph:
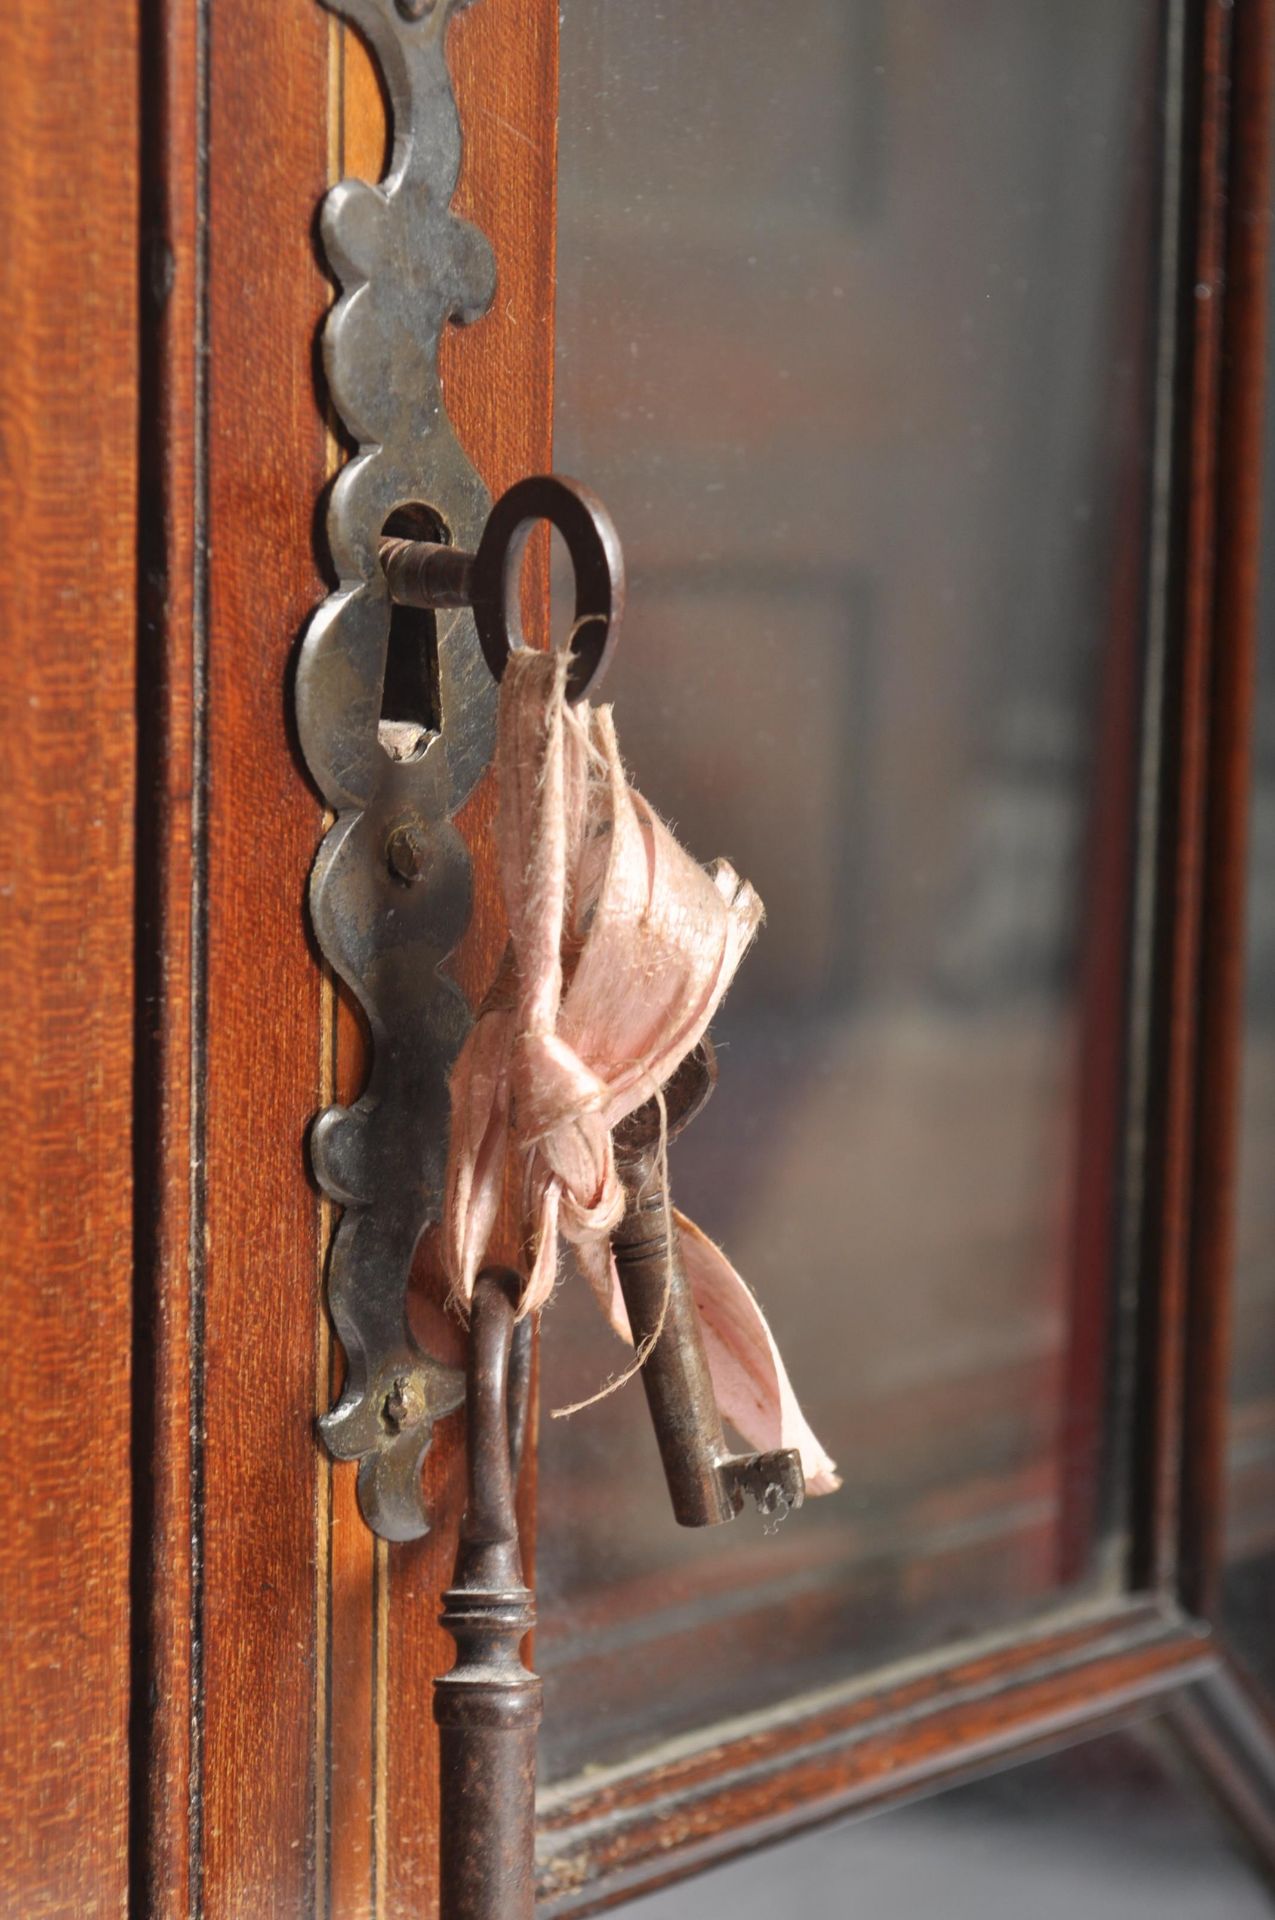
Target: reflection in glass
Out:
[1250,1579]
[854,339]
[1119,1829]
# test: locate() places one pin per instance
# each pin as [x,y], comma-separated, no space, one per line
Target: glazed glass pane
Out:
[1120,1828]
[1250,1580]
[855,338]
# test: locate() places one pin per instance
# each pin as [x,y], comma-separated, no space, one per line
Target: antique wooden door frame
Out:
[289,1764]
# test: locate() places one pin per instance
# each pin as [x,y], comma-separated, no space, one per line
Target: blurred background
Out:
[856,336]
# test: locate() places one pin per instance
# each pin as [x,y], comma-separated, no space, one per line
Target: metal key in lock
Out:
[488,1706]
[707,1482]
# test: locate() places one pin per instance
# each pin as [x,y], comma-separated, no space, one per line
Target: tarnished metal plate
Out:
[390,890]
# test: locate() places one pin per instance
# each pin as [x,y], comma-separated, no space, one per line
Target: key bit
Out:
[707,1482]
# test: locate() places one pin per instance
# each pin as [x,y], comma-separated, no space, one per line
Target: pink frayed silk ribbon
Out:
[621,948]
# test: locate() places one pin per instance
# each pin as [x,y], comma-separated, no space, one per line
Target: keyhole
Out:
[411,711]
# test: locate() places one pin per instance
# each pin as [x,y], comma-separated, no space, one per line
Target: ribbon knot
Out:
[558,1104]
[553,1088]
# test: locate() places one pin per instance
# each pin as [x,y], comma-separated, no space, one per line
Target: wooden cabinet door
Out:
[918,352]
[216,1693]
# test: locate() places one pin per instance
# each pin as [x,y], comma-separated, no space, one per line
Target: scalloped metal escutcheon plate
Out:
[406,267]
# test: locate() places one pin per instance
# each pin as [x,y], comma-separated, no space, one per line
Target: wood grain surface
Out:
[258,1304]
[619,1832]
[349,1704]
[68,616]
[1231,713]
[170,594]
[235,450]
[1181,726]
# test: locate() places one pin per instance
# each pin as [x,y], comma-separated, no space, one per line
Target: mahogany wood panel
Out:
[169,587]
[350,1707]
[68,615]
[618,1833]
[256,1325]
[1179,723]
[1193,1103]
[1090,1489]
[234,456]
[1231,719]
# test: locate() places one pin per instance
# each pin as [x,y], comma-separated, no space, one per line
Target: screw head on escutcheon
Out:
[406,852]
[404,1404]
